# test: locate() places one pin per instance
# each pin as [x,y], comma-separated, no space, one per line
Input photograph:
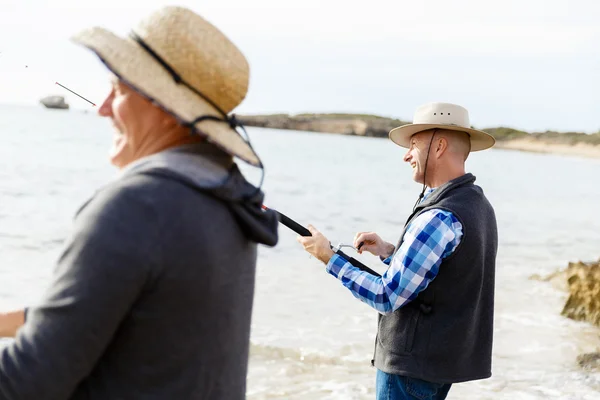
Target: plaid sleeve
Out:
[431,237]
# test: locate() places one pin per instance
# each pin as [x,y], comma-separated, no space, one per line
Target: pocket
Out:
[421,390]
[397,332]
[411,331]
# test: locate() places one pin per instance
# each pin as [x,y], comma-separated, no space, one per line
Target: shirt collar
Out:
[428,191]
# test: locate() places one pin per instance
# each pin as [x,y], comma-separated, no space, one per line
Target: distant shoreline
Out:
[539,146]
[549,142]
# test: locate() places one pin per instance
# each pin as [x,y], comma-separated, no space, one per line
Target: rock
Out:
[590,361]
[557,279]
[583,303]
[57,102]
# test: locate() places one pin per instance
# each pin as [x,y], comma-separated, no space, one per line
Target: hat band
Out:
[176,77]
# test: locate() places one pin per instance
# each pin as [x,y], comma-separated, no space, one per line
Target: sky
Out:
[527,64]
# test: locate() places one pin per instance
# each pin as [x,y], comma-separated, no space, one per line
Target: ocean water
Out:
[311,339]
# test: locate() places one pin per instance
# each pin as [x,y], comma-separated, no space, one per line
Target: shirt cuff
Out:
[388,260]
[335,265]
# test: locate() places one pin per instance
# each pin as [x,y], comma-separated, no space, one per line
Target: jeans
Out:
[397,387]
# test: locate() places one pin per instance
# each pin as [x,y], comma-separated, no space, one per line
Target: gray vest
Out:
[445,334]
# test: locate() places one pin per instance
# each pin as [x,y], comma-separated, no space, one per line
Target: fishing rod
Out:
[42,73]
[302,231]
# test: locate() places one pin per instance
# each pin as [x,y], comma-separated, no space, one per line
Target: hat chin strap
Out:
[425,171]
[234,123]
[231,120]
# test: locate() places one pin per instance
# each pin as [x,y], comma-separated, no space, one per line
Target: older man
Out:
[436,299]
[152,296]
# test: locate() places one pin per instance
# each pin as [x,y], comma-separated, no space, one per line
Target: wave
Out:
[346,356]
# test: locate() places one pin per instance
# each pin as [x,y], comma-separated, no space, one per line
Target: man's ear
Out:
[442,146]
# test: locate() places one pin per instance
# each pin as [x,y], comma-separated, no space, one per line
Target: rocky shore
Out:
[564,143]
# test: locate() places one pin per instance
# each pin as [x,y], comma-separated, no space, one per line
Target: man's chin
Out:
[418,178]
[118,158]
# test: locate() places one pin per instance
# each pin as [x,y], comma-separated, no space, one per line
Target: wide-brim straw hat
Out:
[442,116]
[184,65]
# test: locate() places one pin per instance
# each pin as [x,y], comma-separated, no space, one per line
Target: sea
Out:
[311,339]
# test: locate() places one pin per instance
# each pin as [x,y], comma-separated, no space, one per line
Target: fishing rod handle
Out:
[293,225]
[302,231]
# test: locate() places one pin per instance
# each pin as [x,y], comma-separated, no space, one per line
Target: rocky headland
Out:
[564,143]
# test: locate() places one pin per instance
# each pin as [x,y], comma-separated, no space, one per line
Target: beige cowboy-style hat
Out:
[442,116]
[186,66]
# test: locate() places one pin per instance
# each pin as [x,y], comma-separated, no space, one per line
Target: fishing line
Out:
[45,76]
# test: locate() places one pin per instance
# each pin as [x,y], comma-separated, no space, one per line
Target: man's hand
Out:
[317,245]
[373,244]
[11,322]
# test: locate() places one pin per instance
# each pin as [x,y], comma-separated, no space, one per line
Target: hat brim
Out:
[479,139]
[136,68]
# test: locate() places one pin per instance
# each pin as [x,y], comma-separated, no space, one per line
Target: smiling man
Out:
[436,299]
[152,296]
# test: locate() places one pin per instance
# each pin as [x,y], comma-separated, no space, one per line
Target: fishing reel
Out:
[341,245]
[351,260]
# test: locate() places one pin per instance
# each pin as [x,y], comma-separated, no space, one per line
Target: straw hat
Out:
[443,116]
[186,66]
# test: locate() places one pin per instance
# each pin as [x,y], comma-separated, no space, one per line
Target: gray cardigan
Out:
[152,296]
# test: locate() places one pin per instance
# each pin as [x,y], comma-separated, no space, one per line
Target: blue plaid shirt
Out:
[429,238]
